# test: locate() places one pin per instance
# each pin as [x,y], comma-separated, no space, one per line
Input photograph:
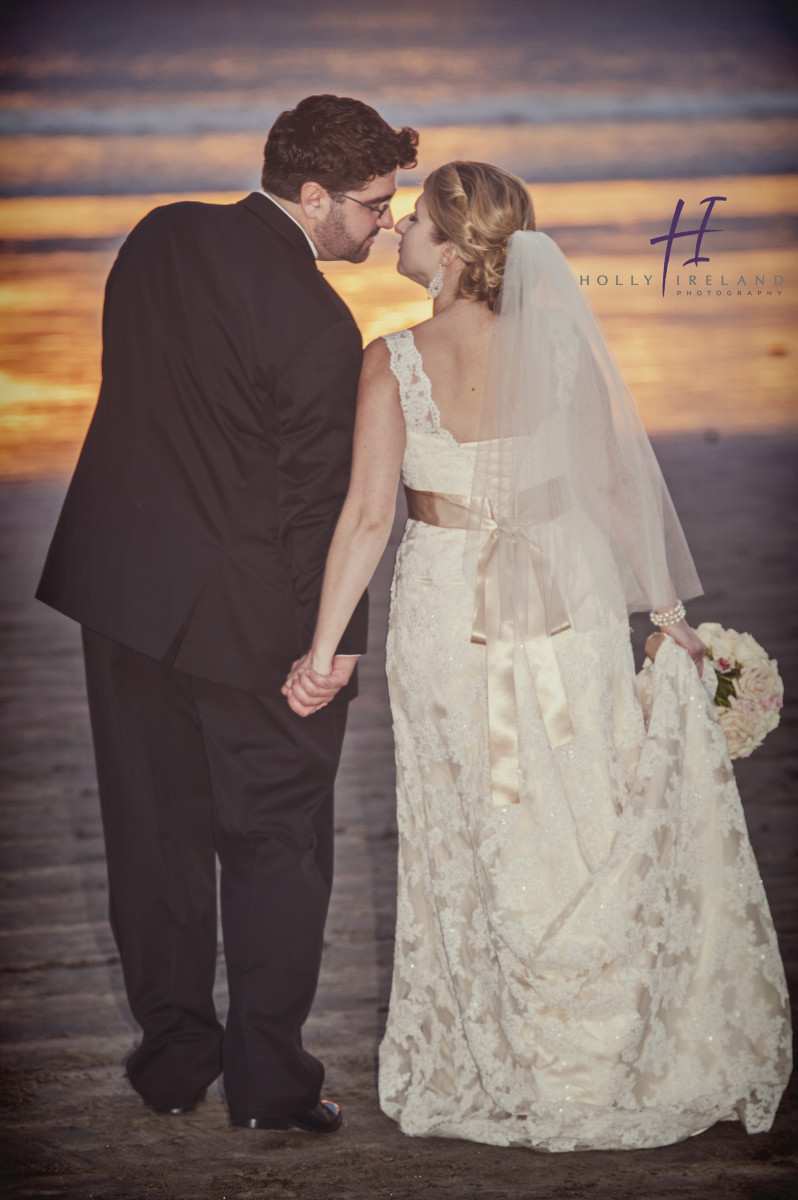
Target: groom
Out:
[191,548]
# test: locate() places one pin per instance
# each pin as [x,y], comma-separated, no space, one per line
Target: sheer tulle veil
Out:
[567,490]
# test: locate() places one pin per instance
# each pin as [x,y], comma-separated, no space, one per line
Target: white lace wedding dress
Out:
[594,967]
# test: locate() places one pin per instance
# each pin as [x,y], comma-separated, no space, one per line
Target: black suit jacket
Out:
[197,523]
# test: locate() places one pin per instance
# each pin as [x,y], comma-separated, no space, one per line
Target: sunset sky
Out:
[611,112]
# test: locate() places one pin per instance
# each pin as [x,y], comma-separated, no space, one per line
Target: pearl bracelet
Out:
[671,616]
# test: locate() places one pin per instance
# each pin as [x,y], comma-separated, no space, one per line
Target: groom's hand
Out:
[307,690]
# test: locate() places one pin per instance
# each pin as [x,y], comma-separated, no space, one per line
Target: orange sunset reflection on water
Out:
[725,362]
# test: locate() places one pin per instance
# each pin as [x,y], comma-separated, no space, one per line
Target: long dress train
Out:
[594,967]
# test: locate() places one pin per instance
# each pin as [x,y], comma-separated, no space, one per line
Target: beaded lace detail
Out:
[415,390]
[434,460]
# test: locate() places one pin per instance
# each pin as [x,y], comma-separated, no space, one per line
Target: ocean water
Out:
[176,95]
[611,112]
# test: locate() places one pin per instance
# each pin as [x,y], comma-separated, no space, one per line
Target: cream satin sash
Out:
[496,634]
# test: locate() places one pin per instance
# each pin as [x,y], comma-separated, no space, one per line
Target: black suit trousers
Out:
[189,770]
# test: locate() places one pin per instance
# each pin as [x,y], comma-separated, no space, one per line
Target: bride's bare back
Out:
[454,350]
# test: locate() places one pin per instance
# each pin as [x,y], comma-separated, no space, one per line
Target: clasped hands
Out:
[308,690]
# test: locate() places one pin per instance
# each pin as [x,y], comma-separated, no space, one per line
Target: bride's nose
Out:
[401,224]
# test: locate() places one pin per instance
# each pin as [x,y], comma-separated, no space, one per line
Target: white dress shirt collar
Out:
[273,199]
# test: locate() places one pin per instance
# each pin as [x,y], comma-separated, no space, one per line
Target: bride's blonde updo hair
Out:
[476,207]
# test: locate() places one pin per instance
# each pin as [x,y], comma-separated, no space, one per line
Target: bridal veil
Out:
[582,525]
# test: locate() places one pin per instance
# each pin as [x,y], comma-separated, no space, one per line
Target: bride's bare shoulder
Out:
[424,330]
[377,354]
[453,330]
[376,363]
[426,335]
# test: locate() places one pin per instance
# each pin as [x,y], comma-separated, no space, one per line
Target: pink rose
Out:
[719,640]
[760,686]
[741,734]
[748,651]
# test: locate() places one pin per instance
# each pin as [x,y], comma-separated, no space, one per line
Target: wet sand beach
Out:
[72,1125]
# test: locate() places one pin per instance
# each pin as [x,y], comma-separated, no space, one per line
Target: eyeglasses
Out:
[379,209]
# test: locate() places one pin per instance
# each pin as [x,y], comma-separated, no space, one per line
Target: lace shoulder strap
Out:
[415,391]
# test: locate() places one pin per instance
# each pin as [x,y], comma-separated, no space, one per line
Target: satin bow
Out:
[495,631]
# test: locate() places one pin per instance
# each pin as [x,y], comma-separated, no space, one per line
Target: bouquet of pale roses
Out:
[750,692]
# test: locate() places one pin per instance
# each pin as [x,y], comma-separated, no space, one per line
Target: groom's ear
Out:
[314,201]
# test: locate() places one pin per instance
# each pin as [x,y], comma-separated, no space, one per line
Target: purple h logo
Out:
[670,237]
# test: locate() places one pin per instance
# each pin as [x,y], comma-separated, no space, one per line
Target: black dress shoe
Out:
[178,1110]
[324,1118]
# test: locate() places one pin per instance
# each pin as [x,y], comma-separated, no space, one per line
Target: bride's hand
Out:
[297,666]
[688,639]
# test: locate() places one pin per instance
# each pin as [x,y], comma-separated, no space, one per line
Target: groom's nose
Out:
[386,220]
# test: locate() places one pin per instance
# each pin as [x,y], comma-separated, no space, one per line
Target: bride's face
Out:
[419,253]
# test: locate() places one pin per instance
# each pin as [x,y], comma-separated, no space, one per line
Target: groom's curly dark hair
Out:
[335,141]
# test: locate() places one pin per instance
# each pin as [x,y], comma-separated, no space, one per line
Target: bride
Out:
[584,953]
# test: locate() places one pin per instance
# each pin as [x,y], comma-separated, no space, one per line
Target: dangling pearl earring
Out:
[435,285]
